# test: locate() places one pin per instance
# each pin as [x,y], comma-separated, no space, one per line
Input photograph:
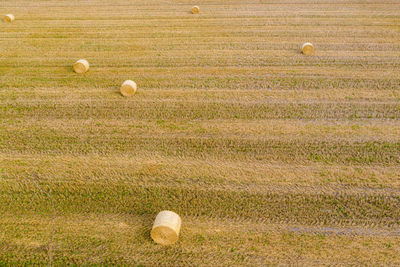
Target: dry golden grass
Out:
[269,157]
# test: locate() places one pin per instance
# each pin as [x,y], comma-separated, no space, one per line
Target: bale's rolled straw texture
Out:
[195,10]
[307,49]
[166,228]
[9,18]
[128,88]
[81,66]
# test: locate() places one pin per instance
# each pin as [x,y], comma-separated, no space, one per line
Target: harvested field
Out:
[267,155]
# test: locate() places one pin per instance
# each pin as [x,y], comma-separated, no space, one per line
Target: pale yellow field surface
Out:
[268,156]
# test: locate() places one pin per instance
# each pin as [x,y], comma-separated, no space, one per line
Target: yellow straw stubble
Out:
[166,228]
[307,49]
[195,10]
[9,17]
[128,88]
[81,66]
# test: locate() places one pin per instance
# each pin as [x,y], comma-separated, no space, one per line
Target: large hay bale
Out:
[307,49]
[166,228]
[195,10]
[9,18]
[81,66]
[128,88]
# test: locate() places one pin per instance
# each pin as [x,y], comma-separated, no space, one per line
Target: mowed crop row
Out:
[77,235]
[200,145]
[269,156]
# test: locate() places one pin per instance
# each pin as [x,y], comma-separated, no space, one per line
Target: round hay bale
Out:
[128,88]
[81,66]
[307,49]
[195,10]
[166,228]
[9,18]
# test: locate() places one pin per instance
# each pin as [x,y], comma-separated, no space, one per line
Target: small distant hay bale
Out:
[9,18]
[128,88]
[195,10]
[81,66]
[166,228]
[307,49]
